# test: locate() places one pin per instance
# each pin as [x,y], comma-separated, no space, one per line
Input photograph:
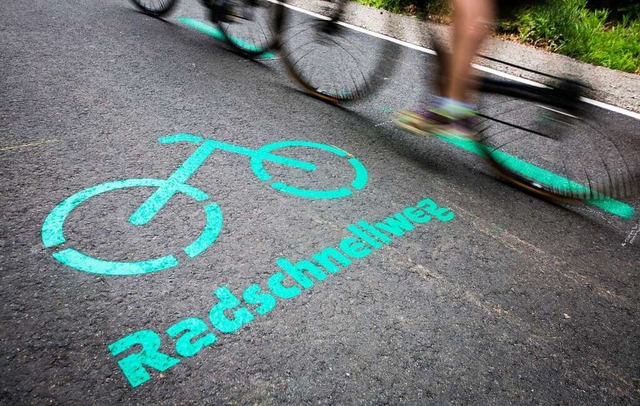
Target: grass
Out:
[440,9]
[564,26]
[569,28]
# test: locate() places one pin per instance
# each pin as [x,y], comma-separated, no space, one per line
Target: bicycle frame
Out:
[565,97]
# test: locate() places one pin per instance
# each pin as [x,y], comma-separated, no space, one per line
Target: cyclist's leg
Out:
[472,21]
[451,113]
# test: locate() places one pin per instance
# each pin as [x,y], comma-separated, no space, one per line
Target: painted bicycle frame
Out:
[52,229]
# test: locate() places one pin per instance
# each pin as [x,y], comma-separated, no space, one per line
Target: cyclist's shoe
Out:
[434,121]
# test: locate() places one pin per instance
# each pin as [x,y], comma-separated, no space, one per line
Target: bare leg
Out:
[473,21]
[451,113]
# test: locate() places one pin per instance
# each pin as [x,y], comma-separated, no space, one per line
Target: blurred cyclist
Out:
[452,112]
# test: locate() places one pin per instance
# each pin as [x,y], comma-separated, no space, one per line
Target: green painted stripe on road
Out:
[531,171]
[217,34]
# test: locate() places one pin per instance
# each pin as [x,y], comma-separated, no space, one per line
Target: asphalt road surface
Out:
[401,272]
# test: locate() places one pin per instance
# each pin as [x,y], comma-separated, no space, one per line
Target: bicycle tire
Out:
[247,25]
[547,140]
[326,59]
[155,8]
[558,155]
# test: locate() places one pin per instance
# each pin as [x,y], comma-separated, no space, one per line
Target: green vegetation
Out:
[395,6]
[606,37]
[568,27]
[440,8]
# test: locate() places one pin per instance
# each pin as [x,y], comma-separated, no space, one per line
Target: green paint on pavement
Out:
[217,34]
[531,171]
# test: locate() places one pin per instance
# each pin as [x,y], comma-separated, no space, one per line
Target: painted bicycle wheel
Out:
[53,231]
[155,8]
[353,176]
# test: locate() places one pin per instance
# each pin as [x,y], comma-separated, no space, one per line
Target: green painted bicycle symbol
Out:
[52,229]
